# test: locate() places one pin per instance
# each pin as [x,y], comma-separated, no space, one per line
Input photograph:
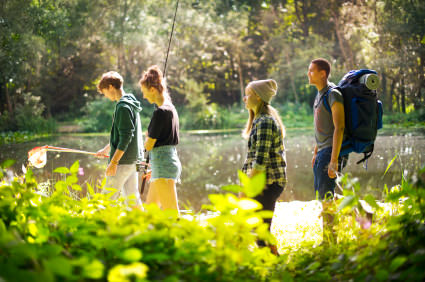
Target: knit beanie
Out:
[265,89]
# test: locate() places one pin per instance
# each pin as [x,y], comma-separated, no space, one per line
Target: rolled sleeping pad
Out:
[371,81]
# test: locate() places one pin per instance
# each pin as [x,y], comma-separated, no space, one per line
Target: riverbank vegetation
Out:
[68,232]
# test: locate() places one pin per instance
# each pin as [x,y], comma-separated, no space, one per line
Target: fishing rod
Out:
[146,176]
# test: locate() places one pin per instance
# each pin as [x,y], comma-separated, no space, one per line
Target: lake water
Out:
[212,160]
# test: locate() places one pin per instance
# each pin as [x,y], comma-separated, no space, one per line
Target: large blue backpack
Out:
[363,114]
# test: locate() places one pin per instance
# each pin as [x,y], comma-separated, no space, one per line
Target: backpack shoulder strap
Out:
[325,99]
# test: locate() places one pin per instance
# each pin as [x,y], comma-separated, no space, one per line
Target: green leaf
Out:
[232,188]
[132,255]
[60,186]
[29,176]
[286,276]
[381,275]
[62,170]
[102,184]
[423,40]
[72,179]
[389,165]
[347,201]
[371,201]
[59,265]
[76,187]
[90,189]
[3,228]
[93,270]
[75,166]
[313,266]
[397,262]
[7,163]
[245,180]
[256,186]
[125,272]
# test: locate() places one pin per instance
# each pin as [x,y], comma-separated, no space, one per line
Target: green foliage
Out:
[97,116]
[391,248]
[60,238]
[8,137]
[28,117]
[413,119]
[57,50]
[56,237]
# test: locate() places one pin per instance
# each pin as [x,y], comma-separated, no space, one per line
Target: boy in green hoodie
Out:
[125,146]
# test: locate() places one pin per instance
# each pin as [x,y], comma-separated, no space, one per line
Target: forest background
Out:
[54,51]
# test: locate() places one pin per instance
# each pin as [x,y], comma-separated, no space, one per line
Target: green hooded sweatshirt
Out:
[126,132]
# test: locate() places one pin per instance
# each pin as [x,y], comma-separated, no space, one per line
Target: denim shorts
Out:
[165,163]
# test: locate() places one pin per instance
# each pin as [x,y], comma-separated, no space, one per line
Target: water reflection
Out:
[210,161]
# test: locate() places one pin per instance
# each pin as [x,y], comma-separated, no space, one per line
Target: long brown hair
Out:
[153,77]
[263,109]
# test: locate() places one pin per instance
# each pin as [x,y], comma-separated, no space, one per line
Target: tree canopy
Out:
[57,49]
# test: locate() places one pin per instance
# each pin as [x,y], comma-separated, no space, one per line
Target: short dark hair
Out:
[110,78]
[323,64]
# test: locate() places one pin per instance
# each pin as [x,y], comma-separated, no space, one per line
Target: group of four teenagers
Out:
[264,132]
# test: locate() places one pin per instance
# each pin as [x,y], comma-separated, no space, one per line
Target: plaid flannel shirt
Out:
[266,150]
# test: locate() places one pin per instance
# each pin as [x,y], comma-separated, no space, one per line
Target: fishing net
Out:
[37,156]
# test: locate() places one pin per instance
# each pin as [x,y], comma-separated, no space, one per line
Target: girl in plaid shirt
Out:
[266,151]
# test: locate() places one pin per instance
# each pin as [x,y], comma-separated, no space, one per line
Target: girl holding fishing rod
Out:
[125,146]
[161,141]
[266,152]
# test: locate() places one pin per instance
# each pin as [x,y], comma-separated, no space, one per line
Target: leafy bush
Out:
[98,116]
[18,136]
[412,119]
[59,238]
[56,237]
[28,117]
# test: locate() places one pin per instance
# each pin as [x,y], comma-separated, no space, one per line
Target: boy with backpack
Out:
[346,119]
[329,129]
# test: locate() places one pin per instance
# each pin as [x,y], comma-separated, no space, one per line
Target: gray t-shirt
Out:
[323,123]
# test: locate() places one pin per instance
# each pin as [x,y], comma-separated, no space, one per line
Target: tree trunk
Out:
[384,96]
[291,77]
[390,105]
[240,74]
[8,101]
[403,96]
[302,11]
[421,83]
[122,66]
[346,51]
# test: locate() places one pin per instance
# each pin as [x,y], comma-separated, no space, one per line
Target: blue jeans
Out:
[323,184]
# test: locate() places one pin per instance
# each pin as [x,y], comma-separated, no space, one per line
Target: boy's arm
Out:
[102,153]
[111,170]
[338,118]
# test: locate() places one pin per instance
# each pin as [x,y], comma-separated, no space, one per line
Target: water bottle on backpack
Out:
[363,111]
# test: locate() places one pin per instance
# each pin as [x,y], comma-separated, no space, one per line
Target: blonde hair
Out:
[263,109]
